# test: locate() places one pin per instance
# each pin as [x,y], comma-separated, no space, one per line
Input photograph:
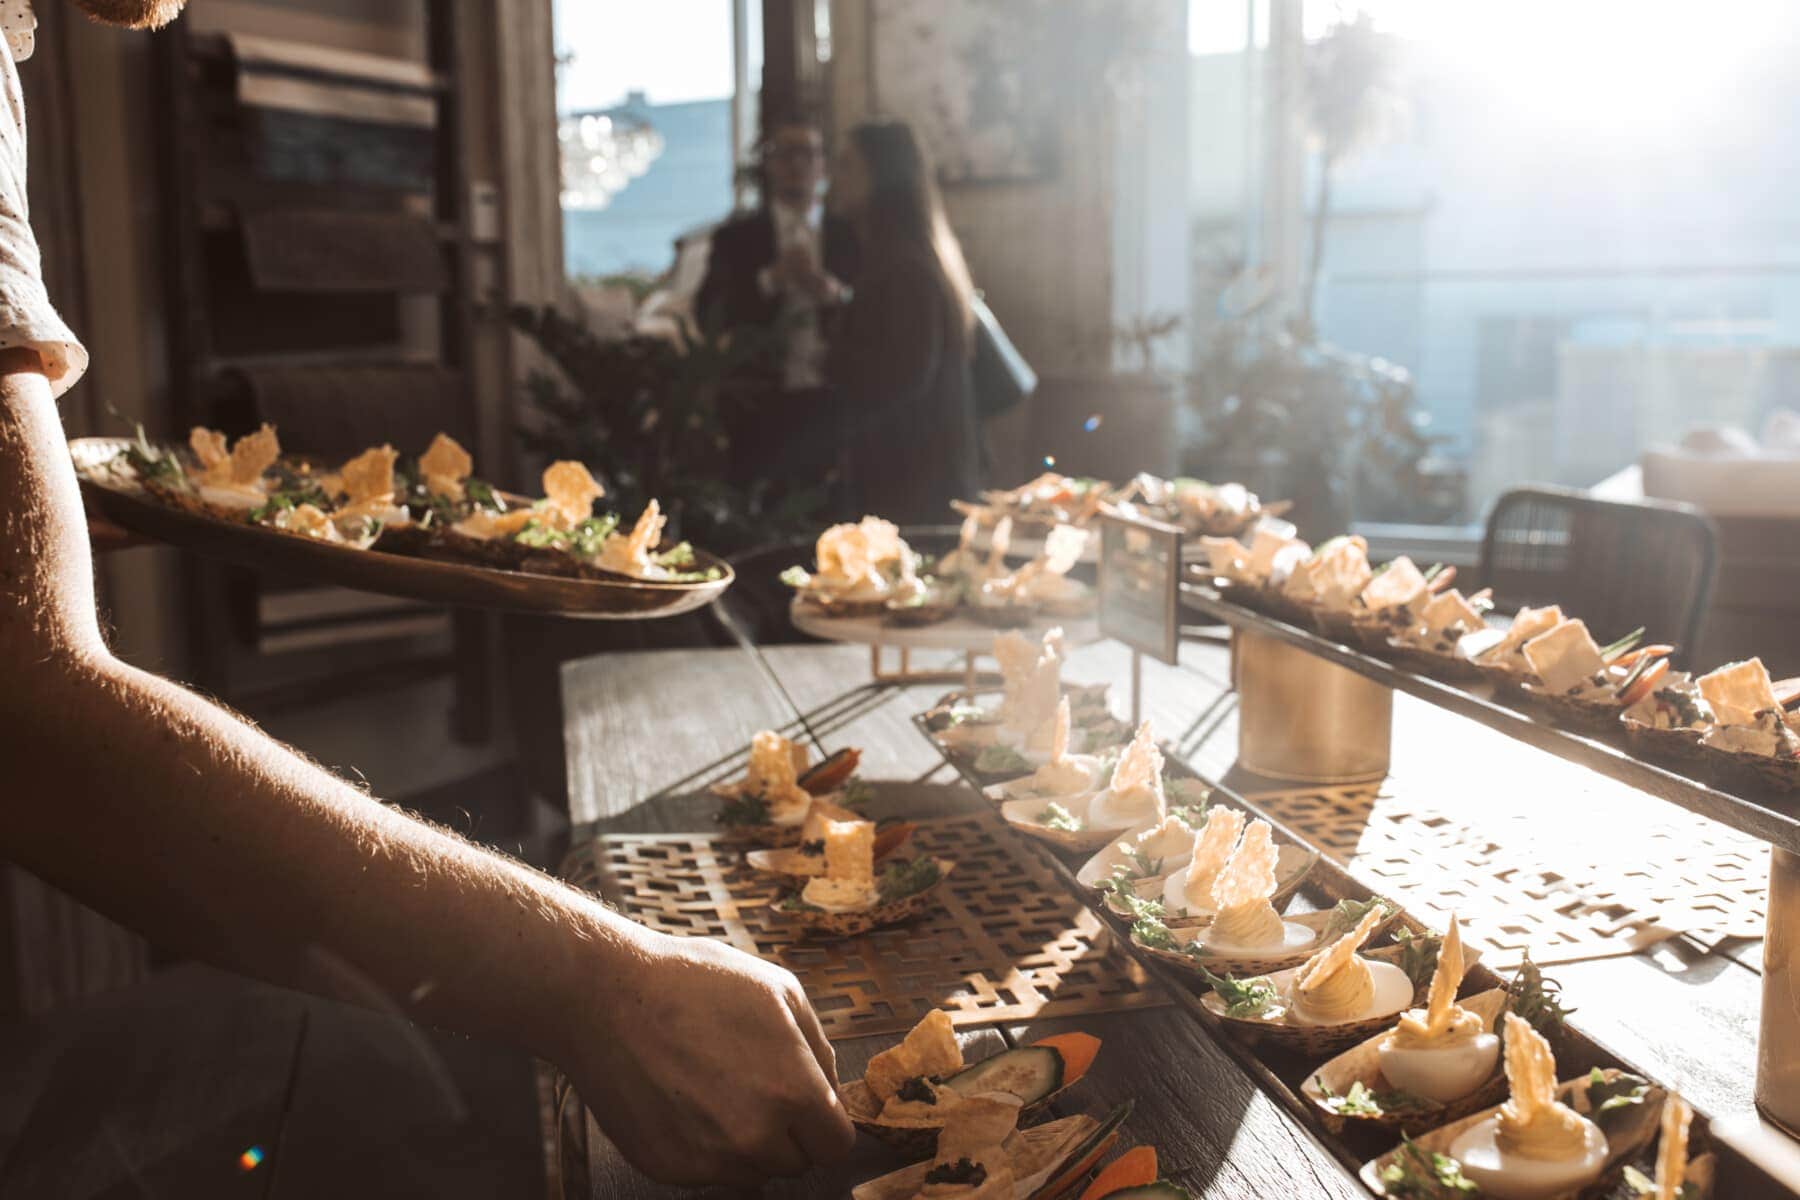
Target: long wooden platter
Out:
[1280,1072]
[121,500]
[1765,813]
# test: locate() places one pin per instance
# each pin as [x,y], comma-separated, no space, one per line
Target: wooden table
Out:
[643,729]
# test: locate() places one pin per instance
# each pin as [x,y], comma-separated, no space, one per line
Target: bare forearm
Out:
[188,824]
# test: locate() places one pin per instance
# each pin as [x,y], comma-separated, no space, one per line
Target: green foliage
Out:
[1609,1098]
[1536,999]
[1001,760]
[1345,916]
[744,810]
[647,416]
[1055,816]
[1361,1100]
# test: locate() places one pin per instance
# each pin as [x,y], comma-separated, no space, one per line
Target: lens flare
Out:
[250,1159]
[1092,423]
[1049,460]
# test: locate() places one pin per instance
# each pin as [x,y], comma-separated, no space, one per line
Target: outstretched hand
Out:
[710,1067]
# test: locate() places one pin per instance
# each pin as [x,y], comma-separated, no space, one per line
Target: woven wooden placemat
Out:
[1007,943]
[1563,878]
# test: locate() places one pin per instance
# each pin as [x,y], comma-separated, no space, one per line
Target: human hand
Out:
[710,1067]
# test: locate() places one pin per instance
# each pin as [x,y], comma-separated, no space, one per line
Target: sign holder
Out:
[1140,592]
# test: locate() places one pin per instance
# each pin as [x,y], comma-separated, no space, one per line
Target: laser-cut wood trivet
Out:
[1519,882]
[1007,942]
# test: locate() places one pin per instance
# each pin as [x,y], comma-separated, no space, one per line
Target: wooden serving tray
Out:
[1282,1072]
[122,500]
[1003,943]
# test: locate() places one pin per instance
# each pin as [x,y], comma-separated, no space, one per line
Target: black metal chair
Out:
[1615,564]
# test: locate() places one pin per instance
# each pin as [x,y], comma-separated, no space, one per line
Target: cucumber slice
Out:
[1028,1072]
[1162,1189]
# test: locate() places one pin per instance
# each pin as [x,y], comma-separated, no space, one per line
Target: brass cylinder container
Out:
[1303,719]
[1778,1051]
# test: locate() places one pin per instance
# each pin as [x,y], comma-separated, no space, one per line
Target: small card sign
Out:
[1140,584]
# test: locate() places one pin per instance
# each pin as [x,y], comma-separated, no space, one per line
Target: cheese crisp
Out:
[308,520]
[1441,1024]
[1671,1153]
[1526,624]
[775,766]
[1212,849]
[1135,794]
[1064,774]
[1241,894]
[243,467]
[1032,680]
[570,492]
[1738,691]
[208,446]
[1400,585]
[1533,1122]
[629,553]
[928,1050]
[1565,658]
[445,464]
[486,525]
[1450,612]
[971,1152]
[1335,983]
[849,880]
[369,477]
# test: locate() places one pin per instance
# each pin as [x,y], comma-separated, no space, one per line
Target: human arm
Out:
[185,822]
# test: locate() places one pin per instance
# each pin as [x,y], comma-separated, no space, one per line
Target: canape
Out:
[799,864]
[1329,582]
[769,805]
[1041,587]
[1434,642]
[1235,927]
[1015,736]
[907,1093]
[1547,1140]
[1677,1176]
[1394,600]
[228,483]
[856,568]
[1051,803]
[1335,998]
[1134,871]
[1437,1064]
[1670,721]
[1043,503]
[1585,685]
[1502,660]
[1750,735]
[982,1155]
[848,898]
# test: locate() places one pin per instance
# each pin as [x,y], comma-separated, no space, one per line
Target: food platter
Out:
[121,499]
[960,634]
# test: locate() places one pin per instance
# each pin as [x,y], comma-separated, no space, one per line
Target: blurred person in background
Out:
[780,273]
[900,362]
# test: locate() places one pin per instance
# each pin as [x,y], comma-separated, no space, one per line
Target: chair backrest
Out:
[1615,564]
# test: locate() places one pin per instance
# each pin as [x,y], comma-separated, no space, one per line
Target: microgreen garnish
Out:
[1608,1097]
[1361,1100]
[1419,1174]
[1536,999]
[1349,913]
[1055,816]
[903,879]
[1001,760]
[1242,997]
[744,810]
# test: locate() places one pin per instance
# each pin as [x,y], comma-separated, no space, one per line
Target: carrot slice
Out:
[1134,1168]
[1077,1050]
[1626,659]
[890,838]
[1645,683]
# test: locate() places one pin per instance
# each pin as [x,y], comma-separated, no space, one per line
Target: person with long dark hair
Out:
[900,361]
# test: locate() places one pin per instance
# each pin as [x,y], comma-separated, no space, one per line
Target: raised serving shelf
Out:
[1766,813]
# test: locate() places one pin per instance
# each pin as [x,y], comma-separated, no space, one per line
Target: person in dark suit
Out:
[900,362]
[780,273]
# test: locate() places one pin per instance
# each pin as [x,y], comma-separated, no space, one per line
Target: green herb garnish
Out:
[1419,1174]
[1150,931]
[1242,997]
[796,577]
[152,463]
[1418,955]
[1536,999]
[1127,900]
[1055,816]
[1001,760]
[1349,913]
[744,810]
[1361,1100]
[679,555]
[903,879]
[1608,1097]
[856,793]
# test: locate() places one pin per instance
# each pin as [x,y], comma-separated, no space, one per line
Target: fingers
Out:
[808,1020]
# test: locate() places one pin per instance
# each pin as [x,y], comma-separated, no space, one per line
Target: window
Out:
[656,105]
[1577,238]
